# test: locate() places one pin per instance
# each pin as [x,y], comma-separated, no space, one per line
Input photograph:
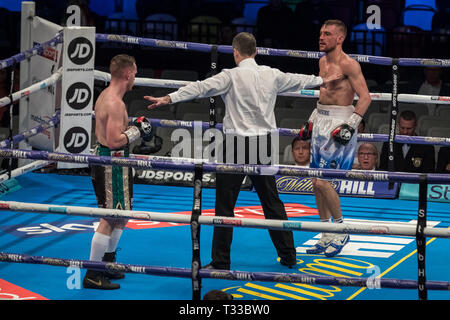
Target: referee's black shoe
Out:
[288,263]
[213,266]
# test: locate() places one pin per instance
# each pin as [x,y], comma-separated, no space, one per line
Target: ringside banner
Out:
[179,178]
[77,92]
[436,192]
[368,189]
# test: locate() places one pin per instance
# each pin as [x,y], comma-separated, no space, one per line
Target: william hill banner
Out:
[367,189]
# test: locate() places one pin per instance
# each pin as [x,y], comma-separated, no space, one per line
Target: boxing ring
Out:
[169,234]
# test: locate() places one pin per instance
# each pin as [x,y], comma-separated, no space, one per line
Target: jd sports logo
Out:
[76,140]
[78,95]
[80,50]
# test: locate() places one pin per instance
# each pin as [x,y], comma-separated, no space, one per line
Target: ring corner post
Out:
[28,12]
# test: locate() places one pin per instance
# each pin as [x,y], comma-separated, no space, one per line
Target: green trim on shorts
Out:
[117,176]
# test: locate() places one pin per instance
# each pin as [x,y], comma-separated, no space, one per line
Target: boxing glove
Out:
[343,133]
[141,128]
[305,132]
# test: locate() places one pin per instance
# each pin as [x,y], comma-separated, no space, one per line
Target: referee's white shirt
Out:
[249,92]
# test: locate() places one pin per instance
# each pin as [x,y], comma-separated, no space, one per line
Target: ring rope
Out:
[201,47]
[38,164]
[287,132]
[228,168]
[32,89]
[99,75]
[175,84]
[397,229]
[225,274]
[39,48]
[52,122]
[35,50]
[35,165]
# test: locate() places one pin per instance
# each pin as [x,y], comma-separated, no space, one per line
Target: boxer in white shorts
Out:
[326,153]
[332,128]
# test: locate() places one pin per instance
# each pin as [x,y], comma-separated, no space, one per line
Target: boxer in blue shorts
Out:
[332,127]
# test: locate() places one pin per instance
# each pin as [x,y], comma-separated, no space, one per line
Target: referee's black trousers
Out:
[227,191]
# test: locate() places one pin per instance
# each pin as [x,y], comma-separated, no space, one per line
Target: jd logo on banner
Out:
[78,95]
[76,140]
[80,50]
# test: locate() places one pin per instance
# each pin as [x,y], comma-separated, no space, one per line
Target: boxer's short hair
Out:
[119,63]
[335,22]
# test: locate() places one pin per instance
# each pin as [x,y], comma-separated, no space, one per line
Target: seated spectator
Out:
[361,129]
[301,152]
[274,25]
[443,161]
[409,157]
[433,86]
[367,157]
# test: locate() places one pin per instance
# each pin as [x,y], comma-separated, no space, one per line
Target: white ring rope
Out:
[175,84]
[399,229]
[32,89]
[35,165]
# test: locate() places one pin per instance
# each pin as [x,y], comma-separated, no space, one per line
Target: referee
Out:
[249,92]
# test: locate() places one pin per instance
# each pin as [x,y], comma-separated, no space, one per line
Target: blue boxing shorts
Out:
[325,152]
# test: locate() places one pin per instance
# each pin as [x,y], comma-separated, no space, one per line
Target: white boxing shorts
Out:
[325,152]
